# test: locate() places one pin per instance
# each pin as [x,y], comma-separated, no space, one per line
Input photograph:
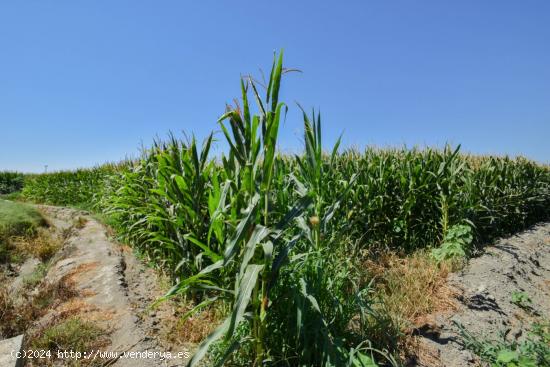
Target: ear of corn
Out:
[273,235]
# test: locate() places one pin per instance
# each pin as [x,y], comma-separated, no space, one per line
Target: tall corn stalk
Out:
[250,168]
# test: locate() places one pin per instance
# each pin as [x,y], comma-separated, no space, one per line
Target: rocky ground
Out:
[485,304]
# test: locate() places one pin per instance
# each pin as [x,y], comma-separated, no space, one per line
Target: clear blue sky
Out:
[83,82]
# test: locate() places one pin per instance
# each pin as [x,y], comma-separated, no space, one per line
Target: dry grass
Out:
[53,294]
[67,233]
[192,329]
[19,311]
[80,222]
[411,287]
[418,353]
[5,299]
[72,326]
[84,310]
[67,321]
[17,314]
[42,246]
[36,277]
[72,334]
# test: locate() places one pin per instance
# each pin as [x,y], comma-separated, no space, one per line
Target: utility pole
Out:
[45,168]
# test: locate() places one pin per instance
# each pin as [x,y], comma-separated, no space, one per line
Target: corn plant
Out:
[82,187]
[250,249]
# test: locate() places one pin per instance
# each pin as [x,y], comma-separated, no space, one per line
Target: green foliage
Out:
[81,188]
[455,244]
[405,199]
[14,196]
[71,334]
[17,219]
[533,351]
[11,182]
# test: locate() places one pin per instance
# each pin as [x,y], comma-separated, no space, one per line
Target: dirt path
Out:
[115,289]
[485,286]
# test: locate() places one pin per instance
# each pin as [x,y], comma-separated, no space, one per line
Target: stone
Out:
[8,352]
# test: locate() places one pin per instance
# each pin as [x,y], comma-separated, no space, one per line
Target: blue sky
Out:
[84,82]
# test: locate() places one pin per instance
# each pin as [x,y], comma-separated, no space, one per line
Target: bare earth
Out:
[116,290]
[520,263]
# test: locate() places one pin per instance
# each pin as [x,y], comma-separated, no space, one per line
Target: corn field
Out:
[79,188]
[11,182]
[274,237]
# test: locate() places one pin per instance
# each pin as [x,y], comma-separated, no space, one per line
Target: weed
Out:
[73,334]
[533,351]
[455,245]
[14,196]
[5,253]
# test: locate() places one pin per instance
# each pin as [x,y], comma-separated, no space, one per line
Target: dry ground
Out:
[484,300]
[95,283]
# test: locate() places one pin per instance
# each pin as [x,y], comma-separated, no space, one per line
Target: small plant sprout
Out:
[521,299]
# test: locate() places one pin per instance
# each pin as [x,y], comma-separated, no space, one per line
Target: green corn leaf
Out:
[207,251]
[242,229]
[199,277]
[244,292]
[332,209]
[298,209]
[235,345]
[268,251]
[282,256]
[334,153]
[271,78]
[206,343]
[363,360]
[258,235]
[276,82]
[205,150]
[257,97]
